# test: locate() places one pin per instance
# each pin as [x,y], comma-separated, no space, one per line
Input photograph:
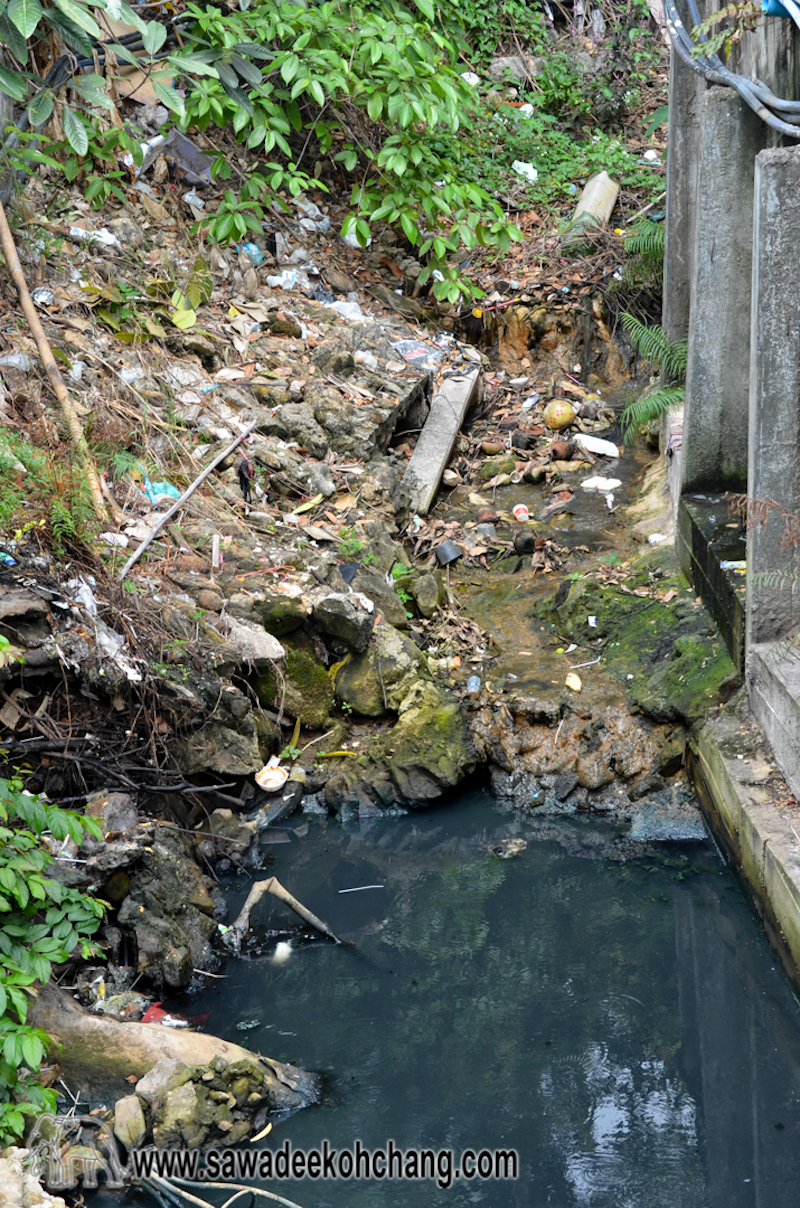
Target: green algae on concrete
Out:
[304,687]
[661,643]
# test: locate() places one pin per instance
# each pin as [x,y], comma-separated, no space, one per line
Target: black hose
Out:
[754,93]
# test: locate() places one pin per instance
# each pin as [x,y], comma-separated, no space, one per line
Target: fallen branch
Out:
[235,933]
[46,353]
[176,507]
[238,1189]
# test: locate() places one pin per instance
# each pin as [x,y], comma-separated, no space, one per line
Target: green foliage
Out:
[335,71]
[41,923]
[648,407]
[49,485]
[652,344]
[350,544]
[644,245]
[490,28]
[740,18]
[670,357]
[491,139]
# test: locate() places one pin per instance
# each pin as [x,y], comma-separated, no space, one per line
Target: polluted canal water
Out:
[609,1011]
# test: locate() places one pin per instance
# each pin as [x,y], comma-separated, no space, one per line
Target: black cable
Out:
[753,92]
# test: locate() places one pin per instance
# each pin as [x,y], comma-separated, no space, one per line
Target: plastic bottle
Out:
[474,686]
[253,251]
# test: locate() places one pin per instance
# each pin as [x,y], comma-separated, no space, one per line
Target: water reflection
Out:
[620,1023]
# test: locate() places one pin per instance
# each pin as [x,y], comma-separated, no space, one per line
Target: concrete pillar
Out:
[715,421]
[684,87]
[773,603]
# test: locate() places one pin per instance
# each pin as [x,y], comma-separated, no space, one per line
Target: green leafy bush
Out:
[41,924]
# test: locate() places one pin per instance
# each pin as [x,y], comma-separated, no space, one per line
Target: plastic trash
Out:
[573,682]
[593,444]
[253,252]
[597,483]
[115,539]
[160,490]
[323,294]
[129,376]
[474,686]
[7,560]
[520,513]
[527,170]
[657,538]
[530,402]
[290,278]
[194,200]
[17,360]
[350,311]
[194,165]
[366,358]
[420,355]
[352,241]
[76,370]
[740,566]
[470,78]
[271,778]
[103,236]
[307,208]
[651,156]
[447,552]
[526,111]
[592,622]
[487,531]
[43,296]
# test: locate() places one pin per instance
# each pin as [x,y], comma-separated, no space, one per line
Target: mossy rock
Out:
[307,693]
[378,680]
[427,752]
[496,465]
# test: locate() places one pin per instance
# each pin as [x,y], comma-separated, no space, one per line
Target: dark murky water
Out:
[621,1024]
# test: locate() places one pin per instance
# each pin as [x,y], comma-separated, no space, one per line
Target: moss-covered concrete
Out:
[661,642]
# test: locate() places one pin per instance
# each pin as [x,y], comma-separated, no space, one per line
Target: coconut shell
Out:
[559,414]
[561,450]
[487,516]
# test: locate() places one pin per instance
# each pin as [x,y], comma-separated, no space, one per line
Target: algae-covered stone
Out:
[427,590]
[129,1122]
[379,680]
[697,675]
[427,752]
[495,466]
[178,1122]
[305,688]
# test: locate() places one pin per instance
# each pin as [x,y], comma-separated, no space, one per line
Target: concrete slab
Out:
[432,453]
[753,813]
[703,541]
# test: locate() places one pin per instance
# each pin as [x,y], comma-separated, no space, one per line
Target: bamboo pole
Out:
[187,494]
[69,413]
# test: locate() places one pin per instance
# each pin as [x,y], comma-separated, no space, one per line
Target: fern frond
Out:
[652,344]
[648,407]
[645,238]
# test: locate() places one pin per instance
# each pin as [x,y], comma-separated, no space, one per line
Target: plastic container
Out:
[272,778]
[253,252]
[520,513]
[447,552]
[474,686]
